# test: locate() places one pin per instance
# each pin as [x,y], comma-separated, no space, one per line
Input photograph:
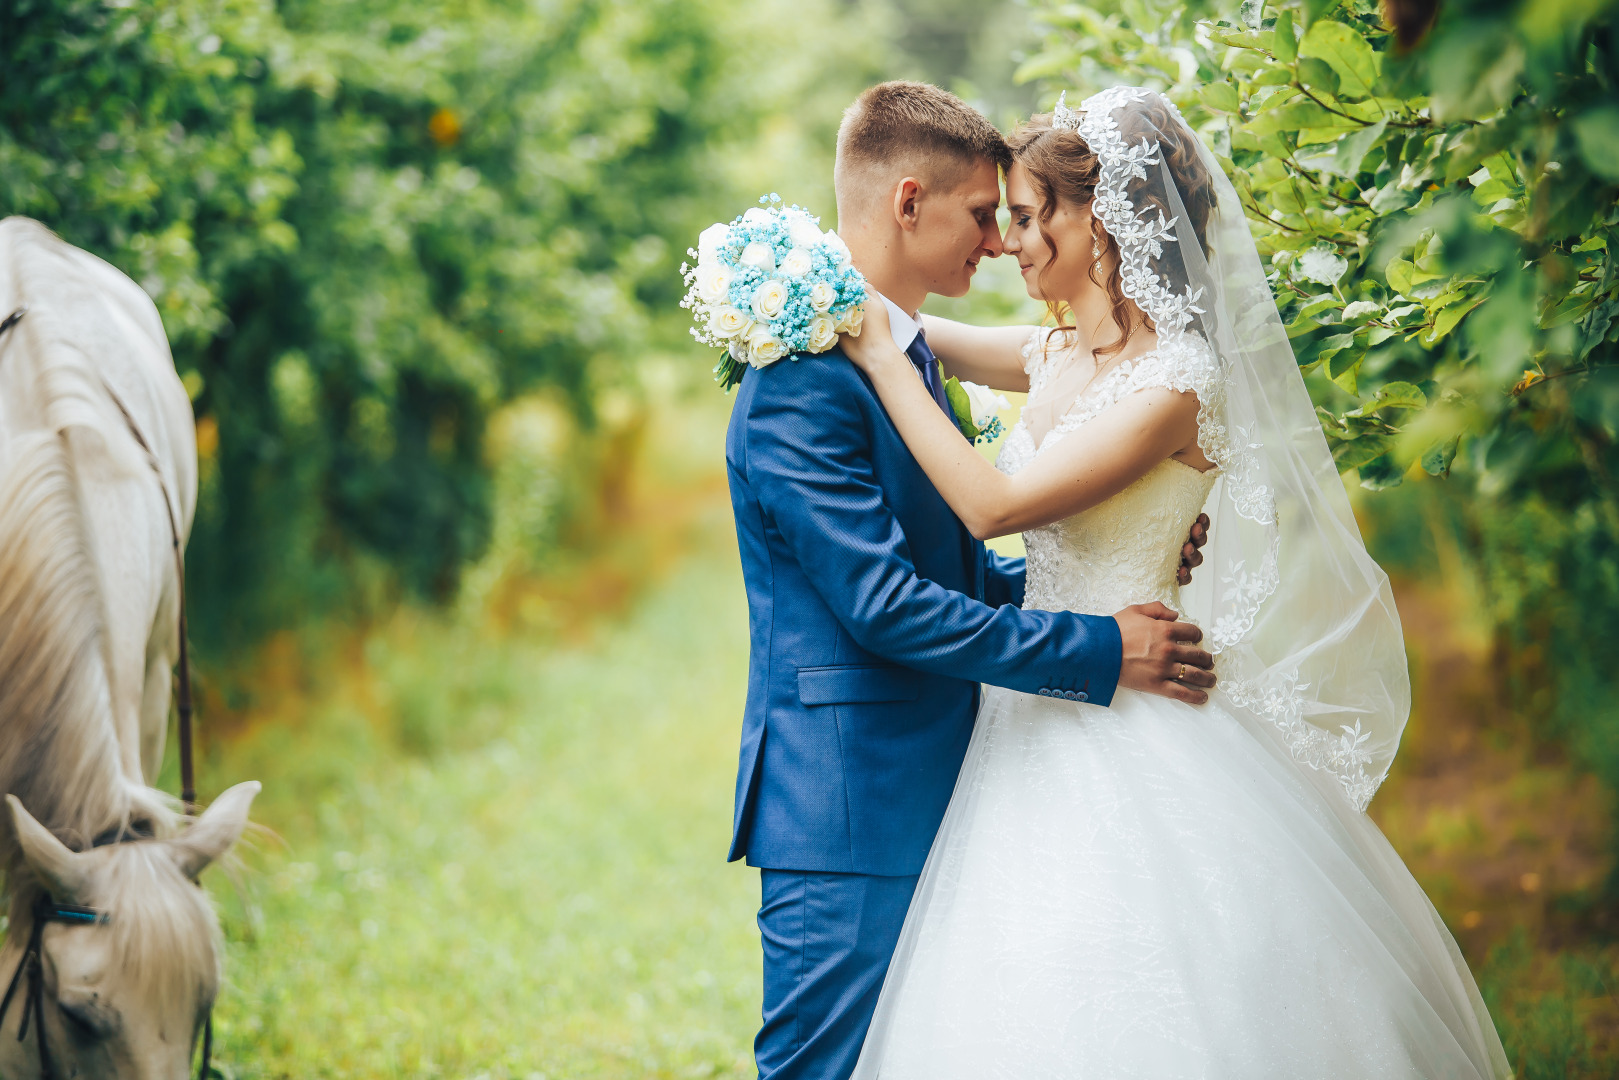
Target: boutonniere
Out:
[975,407]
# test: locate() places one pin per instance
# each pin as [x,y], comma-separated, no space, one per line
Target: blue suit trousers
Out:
[827,940]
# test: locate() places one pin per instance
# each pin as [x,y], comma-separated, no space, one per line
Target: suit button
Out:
[1070,695]
[1045,691]
[1082,696]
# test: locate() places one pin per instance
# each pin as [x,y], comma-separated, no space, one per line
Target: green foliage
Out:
[368,224]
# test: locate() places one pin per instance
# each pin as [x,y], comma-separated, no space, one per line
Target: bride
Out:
[1156,889]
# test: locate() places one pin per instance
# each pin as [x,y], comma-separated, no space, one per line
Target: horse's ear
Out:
[59,869]
[212,834]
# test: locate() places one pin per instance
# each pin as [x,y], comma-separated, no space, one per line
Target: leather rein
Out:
[46,909]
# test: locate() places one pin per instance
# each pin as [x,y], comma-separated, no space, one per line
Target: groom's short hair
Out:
[898,129]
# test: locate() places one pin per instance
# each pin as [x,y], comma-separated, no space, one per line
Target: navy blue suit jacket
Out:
[874,615]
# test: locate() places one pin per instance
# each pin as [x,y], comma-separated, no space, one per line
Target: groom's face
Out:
[954,228]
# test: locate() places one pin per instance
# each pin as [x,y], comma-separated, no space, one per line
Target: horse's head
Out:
[124,995]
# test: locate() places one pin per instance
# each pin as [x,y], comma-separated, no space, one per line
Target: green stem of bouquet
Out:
[728,372]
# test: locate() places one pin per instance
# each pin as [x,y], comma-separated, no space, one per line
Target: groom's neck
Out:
[885,271]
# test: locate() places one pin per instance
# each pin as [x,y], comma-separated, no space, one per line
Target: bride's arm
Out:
[1101,459]
[992,355]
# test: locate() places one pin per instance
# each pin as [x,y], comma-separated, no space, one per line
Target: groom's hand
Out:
[1161,655]
[1191,557]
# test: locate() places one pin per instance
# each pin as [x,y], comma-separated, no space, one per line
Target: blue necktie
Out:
[928,367]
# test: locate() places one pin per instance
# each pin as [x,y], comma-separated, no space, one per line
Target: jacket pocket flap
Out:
[866,683]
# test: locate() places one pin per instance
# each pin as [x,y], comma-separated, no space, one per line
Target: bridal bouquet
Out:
[768,285]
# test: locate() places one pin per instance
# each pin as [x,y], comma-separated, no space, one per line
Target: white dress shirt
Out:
[903,325]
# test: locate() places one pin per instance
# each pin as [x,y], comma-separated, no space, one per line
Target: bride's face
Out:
[1054,256]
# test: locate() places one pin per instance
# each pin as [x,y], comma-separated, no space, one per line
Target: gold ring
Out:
[1180,675]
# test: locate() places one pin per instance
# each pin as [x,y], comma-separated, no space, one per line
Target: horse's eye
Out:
[88,1014]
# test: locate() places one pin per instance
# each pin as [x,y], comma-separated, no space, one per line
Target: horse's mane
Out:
[60,754]
[59,748]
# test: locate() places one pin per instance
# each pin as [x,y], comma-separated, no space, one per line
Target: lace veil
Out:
[1301,619]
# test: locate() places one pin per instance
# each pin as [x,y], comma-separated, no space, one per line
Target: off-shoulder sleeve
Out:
[1036,354]
[1188,364]
[1185,364]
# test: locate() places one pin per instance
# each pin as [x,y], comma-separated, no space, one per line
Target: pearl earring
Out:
[1096,253]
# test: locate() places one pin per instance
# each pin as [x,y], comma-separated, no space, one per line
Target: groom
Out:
[874,613]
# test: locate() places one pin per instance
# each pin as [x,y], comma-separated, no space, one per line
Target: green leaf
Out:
[1446,321]
[1349,54]
[1284,45]
[1342,373]
[1394,395]
[1352,149]
[1317,74]
[1221,96]
[1317,304]
[1240,39]
[1597,132]
[1353,453]
[1401,276]
[1436,462]
[961,406]
[1391,197]
[1381,473]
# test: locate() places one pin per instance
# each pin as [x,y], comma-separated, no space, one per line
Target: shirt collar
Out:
[901,323]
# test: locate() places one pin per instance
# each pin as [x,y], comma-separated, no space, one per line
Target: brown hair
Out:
[917,128]
[1063,169]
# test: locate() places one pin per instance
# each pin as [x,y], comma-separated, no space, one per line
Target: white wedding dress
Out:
[1159,890]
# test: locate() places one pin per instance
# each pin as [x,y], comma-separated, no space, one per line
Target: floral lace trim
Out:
[1140,237]
[1344,755]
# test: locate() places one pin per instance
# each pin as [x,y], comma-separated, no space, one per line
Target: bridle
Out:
[46,909]
[32,966]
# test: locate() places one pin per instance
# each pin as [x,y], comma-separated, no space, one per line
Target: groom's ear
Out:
[907,193]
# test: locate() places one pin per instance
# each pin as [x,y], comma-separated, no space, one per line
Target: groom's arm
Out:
[808,462]
[1003,580]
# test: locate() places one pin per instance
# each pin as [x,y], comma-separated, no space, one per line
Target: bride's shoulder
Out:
[1181,362]
[1043,345]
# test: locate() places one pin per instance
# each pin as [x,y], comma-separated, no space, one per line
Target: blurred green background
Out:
[464,591]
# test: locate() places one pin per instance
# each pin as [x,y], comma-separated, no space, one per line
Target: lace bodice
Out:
[1126,549]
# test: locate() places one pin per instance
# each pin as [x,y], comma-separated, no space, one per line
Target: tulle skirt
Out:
[1158,890]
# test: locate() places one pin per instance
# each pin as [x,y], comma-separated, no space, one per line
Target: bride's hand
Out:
[874,345]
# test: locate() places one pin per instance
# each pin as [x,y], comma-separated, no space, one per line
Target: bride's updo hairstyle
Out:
[1065,171]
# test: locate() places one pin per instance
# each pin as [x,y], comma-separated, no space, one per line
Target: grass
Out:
[552,902]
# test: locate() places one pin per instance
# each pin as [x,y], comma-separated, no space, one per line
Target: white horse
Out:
[89,631]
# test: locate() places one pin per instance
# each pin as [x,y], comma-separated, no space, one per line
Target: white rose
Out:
[710,241]
[728,321]
[764,347]
[840,250]
[759,254]
[714,282]
[796,263]
[822,295]
[852,320]
[823,333]
[756,215]
[768,300]
[985,403]
[804,231]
